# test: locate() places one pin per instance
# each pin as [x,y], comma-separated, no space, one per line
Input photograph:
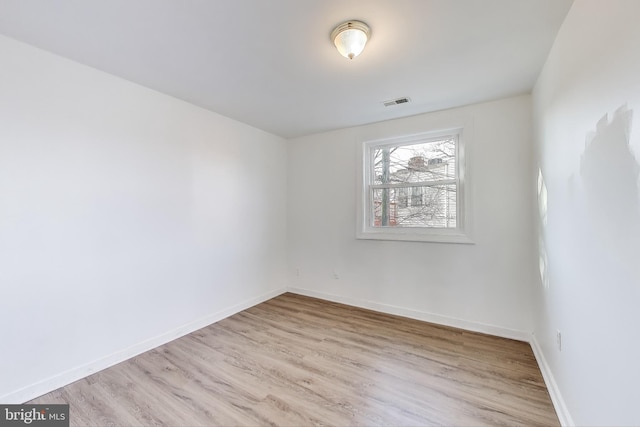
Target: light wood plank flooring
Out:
[299,361]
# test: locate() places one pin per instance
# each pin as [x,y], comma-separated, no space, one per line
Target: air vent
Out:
[396,102]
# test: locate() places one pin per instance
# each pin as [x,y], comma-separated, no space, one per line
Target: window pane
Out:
[423,162]
[433,206]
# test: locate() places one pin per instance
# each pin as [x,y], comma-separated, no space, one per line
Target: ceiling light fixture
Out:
[350,38]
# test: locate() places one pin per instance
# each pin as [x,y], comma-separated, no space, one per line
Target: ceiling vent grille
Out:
[396,102]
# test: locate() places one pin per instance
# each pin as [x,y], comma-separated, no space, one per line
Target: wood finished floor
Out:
[299,361]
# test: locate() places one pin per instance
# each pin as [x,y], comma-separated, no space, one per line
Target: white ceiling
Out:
[270,63]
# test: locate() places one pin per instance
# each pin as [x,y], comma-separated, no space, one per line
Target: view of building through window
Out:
[415,185]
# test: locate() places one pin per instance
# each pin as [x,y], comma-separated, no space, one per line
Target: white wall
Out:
[588,155]
[124,214]
[486,286]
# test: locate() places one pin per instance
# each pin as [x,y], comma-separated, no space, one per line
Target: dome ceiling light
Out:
[350,38]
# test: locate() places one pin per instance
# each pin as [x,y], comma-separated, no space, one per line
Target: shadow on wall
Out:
[542,247]
[609,173]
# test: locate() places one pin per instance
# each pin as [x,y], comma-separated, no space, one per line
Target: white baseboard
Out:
[45,386]
[420,315]
[556,397]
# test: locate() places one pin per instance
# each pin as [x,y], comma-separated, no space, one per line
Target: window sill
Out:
[413,235]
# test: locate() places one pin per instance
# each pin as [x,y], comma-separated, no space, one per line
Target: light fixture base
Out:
[351,25]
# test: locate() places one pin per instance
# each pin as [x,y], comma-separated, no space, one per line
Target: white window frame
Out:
[460,234]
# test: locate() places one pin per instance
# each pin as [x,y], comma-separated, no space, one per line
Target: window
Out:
[416,196]
[413,189]
[403,199]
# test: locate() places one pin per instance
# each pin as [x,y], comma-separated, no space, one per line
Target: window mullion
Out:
[415,184]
